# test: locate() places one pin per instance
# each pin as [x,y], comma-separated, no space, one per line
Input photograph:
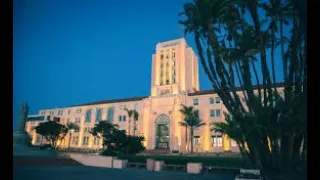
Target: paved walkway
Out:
[91,173]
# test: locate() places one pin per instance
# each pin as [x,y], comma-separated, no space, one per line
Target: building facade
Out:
[174,81]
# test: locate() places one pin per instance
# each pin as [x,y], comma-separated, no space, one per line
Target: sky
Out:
[67,52]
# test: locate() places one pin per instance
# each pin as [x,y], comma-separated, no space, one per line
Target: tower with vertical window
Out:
[174,69]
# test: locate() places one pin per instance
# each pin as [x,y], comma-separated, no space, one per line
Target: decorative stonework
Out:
[165,91]
[162,119]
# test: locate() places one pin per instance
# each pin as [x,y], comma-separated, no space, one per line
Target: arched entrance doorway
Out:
[162,132]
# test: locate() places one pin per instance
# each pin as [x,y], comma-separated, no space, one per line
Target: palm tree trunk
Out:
[186,138]
[191,139]
[284,62]
[272,62]
[129,127]
[69,141]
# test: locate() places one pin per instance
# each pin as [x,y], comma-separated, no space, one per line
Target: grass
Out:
[237,162]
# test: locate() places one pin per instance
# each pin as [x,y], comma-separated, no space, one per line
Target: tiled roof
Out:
[204,92]
[112,101]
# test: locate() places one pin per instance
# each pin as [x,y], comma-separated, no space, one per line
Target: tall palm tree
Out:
[191,120]
[187,112]
[130,113]
[135,119]
[194,122]
[71,127]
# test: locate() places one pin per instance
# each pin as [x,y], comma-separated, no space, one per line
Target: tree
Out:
[135,119]
[191,120]
[126,144]
[130,114]
[233,46]
[116,141]
[52,131]
[70,128]
[187,112]
[104,129]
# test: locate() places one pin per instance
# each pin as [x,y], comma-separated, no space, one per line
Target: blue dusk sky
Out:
[67,52]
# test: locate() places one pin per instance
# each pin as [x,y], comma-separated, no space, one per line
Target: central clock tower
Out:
[174,69]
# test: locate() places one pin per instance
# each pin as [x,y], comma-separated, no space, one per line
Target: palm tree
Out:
[70,128]
[194,122]
[278,12]
[187,112]
[191,120]
[130,113]
[135,119]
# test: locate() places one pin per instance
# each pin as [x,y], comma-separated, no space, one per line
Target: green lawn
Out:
[183,160]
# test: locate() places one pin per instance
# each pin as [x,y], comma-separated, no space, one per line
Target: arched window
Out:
[110,114]
[99,115]
[88,116]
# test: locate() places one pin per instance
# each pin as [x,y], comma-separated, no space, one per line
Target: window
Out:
[96,141]
[212,113]
[78,111]
[211,100]
[68,120]
[167,81]
[217,100]
[196,140]
[167,56]
[69,111]
[120,118]
[173,54]
[43,113]
[77,120]
[88,116]
[161,56]
[99,115]
[218,112]
[136,106]
[124,118]
[87,129]
[216,141]
[233,143]
[195,101]
[85,141]
[196,128]
[48,118]
[110,114]
[75,140]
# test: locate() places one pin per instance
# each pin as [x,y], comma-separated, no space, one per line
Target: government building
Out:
[174,81]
